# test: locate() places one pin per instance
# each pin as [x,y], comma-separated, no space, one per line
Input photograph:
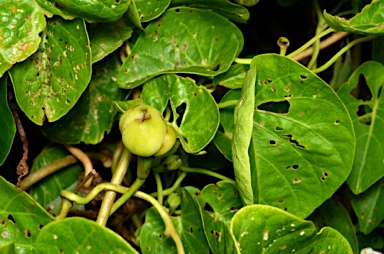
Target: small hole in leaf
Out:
[234,209]
[117,1]
[273,88]
[10,218]
[41,226]
[288,167]
[362,91]
[177,10]
[68,102]
[161,237]
[293,141]
[269,80]
[322,179]
[325,173]
[180,111]
[285,208]
[191,230]
[279,128]
[272,142]
[303,77]
[295,167]
[280,107]
[27,233]
[288,96]
[337,121]
[364,114]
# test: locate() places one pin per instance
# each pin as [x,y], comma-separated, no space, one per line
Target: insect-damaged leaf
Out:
[367,114]
[50,82]
[265,229]
[302,144]
[20,24]
[182,40]
[149,10]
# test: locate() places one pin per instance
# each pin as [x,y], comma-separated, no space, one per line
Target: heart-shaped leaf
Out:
[79,235]
[94,113]
[20,24]
[21,218]
[189,100]
[265,229]
[369,21]
[149,10]
[6,121]
[51,81]
[367,115]
[234,12]
[302,144]
[169,49]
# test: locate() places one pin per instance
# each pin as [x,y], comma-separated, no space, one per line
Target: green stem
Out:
[243,60]
[206,172]
[159,187]
[167,114]
[341,52]
[172,189]
[110,196]
[226,104]
[117,155]
[309,43]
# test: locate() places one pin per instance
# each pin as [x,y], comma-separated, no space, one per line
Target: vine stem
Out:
[172,189]
[206,172]
[87,163]
[226,104]
[110,196]
[342,51]
[170,230]
[159,186]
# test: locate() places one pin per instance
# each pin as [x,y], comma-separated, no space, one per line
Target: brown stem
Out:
[87,163]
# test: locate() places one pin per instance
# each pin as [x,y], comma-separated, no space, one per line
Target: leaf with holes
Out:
[224,199]
[149,10]
[189,100]
[369,21]
[21,218]
[303,144]
[368,121]
[20,24]
[206,45]
[265,229]
[48,189]
[94,113]
[51,81]
[334,215]
[234,12]
[79,235]
[188,226]
[107,37]
[233,78]
[223,139]
[6,121]
[369,207]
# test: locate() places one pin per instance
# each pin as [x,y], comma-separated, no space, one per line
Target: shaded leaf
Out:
[266,229]
[247,2]
[20,24]
[94,113]
[133,15]
[369,207]
[8,248]
[149,10]
[342,69]
[303,143]
[368,121]
[79,235]
[373,240]
[369,21]
[48,189]
[212,160]
[234,12]
[7,122]
[169,49]
[51,81]
[188,102]
[233,78]
[21,218]
[378,50]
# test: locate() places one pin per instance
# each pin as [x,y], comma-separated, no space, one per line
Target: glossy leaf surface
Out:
[368,120]
[22,218]
[80,235]
[7,122]
[233,78]
[20,24]
[170,49]
[369,21]
[265,229]
[51,81]
[303,143]
[94,113]
[149,10]
[189,102]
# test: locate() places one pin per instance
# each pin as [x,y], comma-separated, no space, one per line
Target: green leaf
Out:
[225,201]
[369,21]
[107,37]
[20,24]
[188,226]
[94,113]
[93,11]
[367,115]
[133,15]
[149,10]
[51,81]
[334,215]
[265,229]
[242,134]
[79,235]
[7,122]
[21,218]
[189,100]
[212,160]
[8,248]
[48,189]
[50,8]
[233,78]
[373,240]
[342,69]
[378,50]
[303,143]
[369,207]
[234,12]
[169,49]
[247,2]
